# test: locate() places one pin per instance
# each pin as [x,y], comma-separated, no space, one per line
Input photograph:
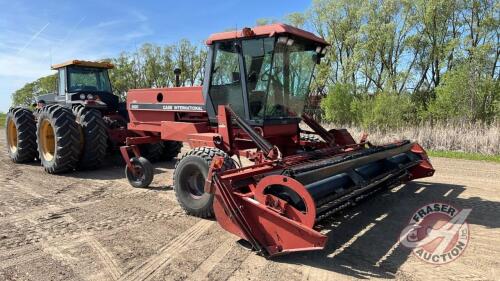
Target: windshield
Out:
[88,79]
[278,76]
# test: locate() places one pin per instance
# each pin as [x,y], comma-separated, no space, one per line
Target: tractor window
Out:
[258,54]
[88,79]
[225,87]
[292,69]
[62,82]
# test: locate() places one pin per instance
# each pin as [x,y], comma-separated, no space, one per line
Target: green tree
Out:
[337,105]
[466,96]
[27,94]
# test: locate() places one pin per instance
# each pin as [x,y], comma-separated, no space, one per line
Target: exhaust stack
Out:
[177,73]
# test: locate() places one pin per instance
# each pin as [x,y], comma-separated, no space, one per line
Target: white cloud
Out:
[29,46]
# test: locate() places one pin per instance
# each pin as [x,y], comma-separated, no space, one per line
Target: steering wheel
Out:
[78,86]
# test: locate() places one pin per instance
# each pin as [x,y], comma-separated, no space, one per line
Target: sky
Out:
[36,34]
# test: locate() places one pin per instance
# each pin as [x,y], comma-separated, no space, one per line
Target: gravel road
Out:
[94,226]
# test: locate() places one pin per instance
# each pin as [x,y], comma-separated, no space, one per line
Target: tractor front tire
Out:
[189,180]
[93,137]
[20,130]
[58,139]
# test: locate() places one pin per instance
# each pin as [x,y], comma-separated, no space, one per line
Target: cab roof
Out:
[96,64]
[265,30]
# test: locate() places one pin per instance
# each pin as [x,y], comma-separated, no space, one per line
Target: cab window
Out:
[225,85]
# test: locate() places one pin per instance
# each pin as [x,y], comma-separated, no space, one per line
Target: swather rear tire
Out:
[144,172]
[94,137]
[189,179]
[20,130]
[58,139]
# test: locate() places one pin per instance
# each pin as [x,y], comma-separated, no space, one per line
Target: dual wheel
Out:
[190,174]
[63,139]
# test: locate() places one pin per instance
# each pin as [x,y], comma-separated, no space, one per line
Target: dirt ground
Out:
[94,226]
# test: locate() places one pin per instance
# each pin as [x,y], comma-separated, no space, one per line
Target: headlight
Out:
[82,96]
[90,96]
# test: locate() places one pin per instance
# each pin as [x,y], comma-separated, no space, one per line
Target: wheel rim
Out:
[195,183]
[138,173]
[47,140]
[12,136]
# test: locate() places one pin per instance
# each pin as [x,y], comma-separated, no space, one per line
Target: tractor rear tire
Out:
[171,149]
[93,138]
[143,175]
[161,151]
[58,139]
[189,180]
[152,151]
[20,130]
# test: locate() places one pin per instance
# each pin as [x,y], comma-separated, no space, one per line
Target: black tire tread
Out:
[207,154]
[67,139]
[171,149]
[94,135]
[148,172]
[161,151]
[26,134]
[152,151]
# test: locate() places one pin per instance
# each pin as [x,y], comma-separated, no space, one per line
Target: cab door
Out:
[226,83]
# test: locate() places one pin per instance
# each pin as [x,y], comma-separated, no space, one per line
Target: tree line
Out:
[391,62]
[149,66]
[394,62]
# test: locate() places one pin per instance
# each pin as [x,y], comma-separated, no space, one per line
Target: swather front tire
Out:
[189,180]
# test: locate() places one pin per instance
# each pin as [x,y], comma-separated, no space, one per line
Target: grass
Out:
[452,140]
[464,155]
[2,120]
[477,139]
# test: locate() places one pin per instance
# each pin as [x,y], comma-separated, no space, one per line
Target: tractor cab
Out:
[86,83]
[263,73]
